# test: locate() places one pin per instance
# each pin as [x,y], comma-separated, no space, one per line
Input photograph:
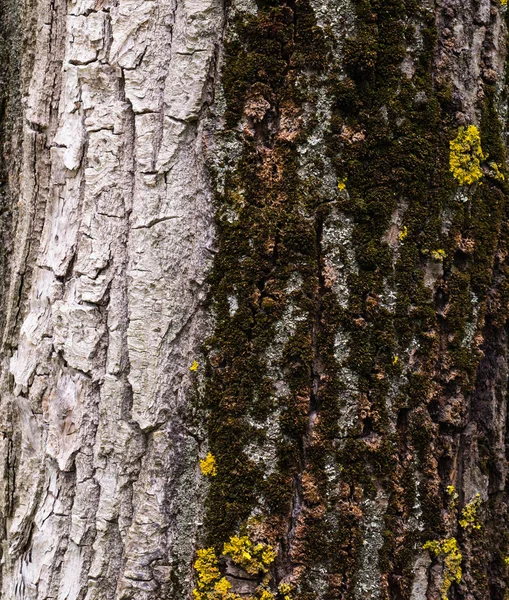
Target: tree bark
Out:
[235,231]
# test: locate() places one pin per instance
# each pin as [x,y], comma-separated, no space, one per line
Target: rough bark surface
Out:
[259,190]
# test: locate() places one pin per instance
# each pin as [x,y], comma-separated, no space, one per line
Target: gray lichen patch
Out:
[369,583]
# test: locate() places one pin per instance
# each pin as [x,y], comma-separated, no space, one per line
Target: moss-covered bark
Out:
[357,367]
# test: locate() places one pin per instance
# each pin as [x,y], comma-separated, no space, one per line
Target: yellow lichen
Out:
[209,585]
[194,366]
[449,550]
[208,465]
[222,586]
[342,184]
[469,513]
[438,255]
[253,558]
[496,172]
[285,589]
[466,155]
[503,2]
[403,233]
[395,360]
[206,566]
[453,495]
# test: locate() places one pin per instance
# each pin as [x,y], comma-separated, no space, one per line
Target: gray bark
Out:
[112,236]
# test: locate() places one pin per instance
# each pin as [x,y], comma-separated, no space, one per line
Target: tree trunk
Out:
[263,236]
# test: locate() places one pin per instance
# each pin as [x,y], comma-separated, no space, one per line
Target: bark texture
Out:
[233,229]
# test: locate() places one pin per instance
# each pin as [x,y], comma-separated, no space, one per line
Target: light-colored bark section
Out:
[104,314]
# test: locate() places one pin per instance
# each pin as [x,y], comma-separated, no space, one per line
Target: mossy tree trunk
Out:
[240,233]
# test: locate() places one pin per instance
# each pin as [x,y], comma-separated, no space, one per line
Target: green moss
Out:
[389,140]
[273,236]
